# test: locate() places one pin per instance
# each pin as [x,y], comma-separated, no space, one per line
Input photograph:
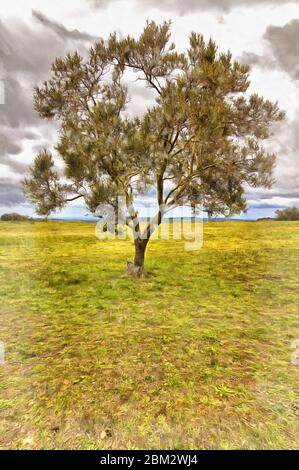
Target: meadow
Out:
[196,356]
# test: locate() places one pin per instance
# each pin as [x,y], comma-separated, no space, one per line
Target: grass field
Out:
[195,357]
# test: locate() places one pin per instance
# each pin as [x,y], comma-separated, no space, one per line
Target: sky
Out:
[261,33]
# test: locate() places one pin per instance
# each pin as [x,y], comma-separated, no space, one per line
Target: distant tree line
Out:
[14,217]
[290,213]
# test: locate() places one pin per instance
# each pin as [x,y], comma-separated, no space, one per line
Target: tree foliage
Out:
[290,213]
[199,142]
[14,217]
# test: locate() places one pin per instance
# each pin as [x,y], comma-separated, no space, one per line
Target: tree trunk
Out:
[137,267]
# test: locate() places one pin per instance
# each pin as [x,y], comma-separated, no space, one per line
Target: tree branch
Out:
[74,198]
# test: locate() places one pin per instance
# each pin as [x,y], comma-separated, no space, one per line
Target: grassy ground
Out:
[197,356]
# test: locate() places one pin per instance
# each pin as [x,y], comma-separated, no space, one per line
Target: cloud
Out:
[189,6]
[17,109]
[284,43]
[11,193]
[26,54]
[285,191]
[100,4]
[283,50]
[252,59]
[8,146]
[27,51]
[61,30]
[283,54]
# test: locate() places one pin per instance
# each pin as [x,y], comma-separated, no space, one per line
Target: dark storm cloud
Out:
[17,109]
[8,146]
[252,59]
[11,148]
[61,30]
[294,143]
[283,54]
[11,193]
[99,4]
[283,50]
[286,174]
[284,42]
[26,54]
[285,189]
[265,206]
[27,51]
[189,6]
[17,167]
[31,50]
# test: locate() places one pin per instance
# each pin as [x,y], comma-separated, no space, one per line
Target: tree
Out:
[14,217]
[198,143]
[290,213]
